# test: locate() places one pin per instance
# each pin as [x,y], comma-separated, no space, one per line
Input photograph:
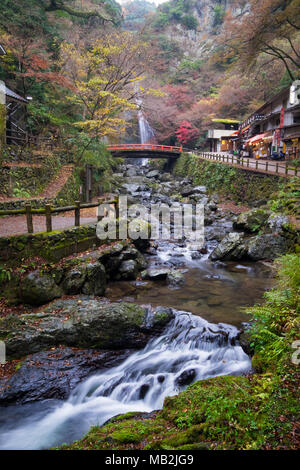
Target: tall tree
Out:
[269,27]
[105,80]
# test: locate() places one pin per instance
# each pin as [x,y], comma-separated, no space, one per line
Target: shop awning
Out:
[257,138]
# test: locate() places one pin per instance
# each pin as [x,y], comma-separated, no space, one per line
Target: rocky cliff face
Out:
[210,15]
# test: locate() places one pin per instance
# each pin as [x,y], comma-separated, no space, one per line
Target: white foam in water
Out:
[188,345]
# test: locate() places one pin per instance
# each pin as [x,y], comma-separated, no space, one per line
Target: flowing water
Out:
[190,349]
[146,132]
[194,346]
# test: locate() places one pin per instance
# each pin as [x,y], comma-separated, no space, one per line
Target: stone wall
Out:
[51,246]
[240,185]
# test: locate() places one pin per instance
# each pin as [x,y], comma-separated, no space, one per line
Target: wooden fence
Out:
[48,211]
[266,166]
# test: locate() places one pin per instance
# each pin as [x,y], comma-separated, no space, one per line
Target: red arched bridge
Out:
[144,151]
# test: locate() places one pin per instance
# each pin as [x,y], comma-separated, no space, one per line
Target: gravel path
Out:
[17,225]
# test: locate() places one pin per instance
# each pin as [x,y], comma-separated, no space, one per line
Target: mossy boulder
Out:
[38,289]
[267,246]
[84,323]
[252,221]
[232,247]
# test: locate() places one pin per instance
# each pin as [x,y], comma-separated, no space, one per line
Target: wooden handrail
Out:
[48,211]
[259,165]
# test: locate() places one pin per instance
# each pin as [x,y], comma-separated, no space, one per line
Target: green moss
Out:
[239,185]
[125,437]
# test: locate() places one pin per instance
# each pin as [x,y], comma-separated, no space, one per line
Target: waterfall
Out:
[189,349]
[146,132]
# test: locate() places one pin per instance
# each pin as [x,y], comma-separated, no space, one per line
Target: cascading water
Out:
[190,349]
[146,132]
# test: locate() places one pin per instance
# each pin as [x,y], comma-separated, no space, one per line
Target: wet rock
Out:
[175,278]
[131,172]
[74,280]
[130,188]
[128,270]
[143,391]
[157,273]
[186,377]
[153,174]
[268,246]
[95,283]
[83,323]
[232,247]
[38,289]
[55,373]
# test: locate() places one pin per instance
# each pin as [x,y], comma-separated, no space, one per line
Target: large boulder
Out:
[128,270]
[252,221]
[38,289]
[95,283]
[268,246]
[82,323]
[153,174]
[232,247]
[175,279]
[74,280]
[55,373]
[277,223]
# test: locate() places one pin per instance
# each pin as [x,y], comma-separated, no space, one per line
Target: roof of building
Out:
[226,121]
[14,95]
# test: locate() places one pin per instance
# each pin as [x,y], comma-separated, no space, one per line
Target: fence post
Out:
[256,164]
[286,170]
[29,218]
[267,165]
[277,167]
[247,162]
[48,218]
[100,201]
[77,213]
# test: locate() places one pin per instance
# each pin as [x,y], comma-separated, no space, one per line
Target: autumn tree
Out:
[187,134]
[270,28]
[106,80]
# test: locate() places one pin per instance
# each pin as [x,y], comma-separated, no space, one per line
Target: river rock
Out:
[128,270]
[74,280]
[38,289]
[186,377]
[175,278]
[95,283]
[268,246]
[232,247]
[157,273]
[153,174]
[82,323]
[55,373]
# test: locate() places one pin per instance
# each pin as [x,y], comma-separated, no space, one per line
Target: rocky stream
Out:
[136,322]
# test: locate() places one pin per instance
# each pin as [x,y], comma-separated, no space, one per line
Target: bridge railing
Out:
[166,148]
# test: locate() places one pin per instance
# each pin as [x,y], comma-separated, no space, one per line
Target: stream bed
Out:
[200,342]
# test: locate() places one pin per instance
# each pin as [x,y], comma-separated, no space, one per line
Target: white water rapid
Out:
[189,349]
